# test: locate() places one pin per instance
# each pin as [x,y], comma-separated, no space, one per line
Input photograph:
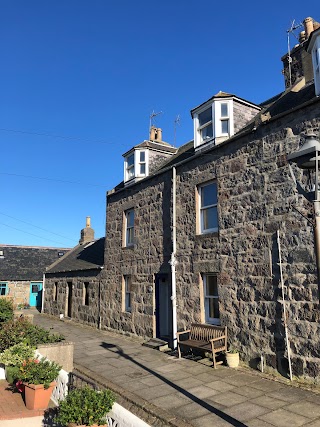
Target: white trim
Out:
[202,209]
[211,320]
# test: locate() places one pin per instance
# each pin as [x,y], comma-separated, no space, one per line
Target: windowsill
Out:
[213,233]
[214,322]
[128,247]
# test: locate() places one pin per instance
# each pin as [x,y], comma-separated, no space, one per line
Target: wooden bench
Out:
[208,338]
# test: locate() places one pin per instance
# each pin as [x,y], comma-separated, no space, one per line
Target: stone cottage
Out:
[72,283]
[21,272]
[195,234]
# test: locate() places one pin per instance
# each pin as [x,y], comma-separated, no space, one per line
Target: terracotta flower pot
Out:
[36,396]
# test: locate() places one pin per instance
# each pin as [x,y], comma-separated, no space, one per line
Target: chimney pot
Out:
[308,26]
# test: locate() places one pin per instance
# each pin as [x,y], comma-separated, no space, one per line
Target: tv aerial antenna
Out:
[290,31]
[176,123]
[152,118]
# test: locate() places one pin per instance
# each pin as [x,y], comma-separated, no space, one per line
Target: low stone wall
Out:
[61,353]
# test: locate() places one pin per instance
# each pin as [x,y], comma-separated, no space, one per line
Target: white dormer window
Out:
[205,129]
[136,165]
[142,163]
[214,121]
[130,167]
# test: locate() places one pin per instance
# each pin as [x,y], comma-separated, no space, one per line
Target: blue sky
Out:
[79,80]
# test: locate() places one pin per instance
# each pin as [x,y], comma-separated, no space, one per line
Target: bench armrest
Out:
[223,337]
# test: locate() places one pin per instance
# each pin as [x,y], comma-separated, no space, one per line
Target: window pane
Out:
[224,110]
[142,169]
[207,132]
[130,235]
[130,218]
[225,126]
[205,116]
[130,160]
[211,286]
[128,287]
[209,195]
[214,308]
[131,172]
[142,156]
[128,302]
[2,291]
[210,218]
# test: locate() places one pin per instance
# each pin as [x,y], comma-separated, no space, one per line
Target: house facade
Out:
[214,209]
[21,272]
[218,231]
[72,283]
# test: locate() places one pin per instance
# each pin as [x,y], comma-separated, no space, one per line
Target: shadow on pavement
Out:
[118,350]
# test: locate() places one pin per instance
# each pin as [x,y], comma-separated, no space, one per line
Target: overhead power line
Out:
[31,234]
[52,179]
[35,226]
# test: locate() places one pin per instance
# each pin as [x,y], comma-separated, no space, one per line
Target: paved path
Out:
[183,392]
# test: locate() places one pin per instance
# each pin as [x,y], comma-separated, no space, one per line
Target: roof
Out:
[27,263]
[158,146]
[89,256]
[280,104]
[220,95]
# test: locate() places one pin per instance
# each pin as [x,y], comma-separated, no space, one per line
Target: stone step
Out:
[157,344]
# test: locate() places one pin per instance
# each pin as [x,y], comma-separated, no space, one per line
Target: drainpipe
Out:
[43,287]
[173,261]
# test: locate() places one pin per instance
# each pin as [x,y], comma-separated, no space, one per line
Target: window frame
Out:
[207,298]
[202,209]
[4,285]
[129,229]
[216,121]
[127,292]
[129,169]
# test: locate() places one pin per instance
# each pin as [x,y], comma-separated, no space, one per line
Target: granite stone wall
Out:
[256,197]
[56,296]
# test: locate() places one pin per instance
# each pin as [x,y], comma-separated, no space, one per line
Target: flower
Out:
[43,371]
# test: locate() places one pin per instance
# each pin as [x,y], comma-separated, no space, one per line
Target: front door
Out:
[35,299]
[163,307]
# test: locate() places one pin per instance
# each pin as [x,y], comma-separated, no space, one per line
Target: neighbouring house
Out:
[72,283]
[21,272]
[192,233]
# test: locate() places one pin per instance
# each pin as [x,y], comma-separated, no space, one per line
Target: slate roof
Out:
[89,256]
[26,263]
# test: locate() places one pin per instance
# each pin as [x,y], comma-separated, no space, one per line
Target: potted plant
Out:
[13,358]
[85,407]
[38,377]
[232,356]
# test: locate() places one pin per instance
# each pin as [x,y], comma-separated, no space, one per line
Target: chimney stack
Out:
[87,234]
[155,134]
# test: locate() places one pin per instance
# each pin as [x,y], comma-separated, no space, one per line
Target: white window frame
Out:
[216,121]
[3,285]
[202,209]
[129,229]
[127,293]
[129,169]
[139,162]
[208,297]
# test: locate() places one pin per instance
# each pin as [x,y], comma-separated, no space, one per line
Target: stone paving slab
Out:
[167,391]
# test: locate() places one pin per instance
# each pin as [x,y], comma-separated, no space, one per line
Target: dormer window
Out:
[130,167]
[136,165]
[213,122]
[205,129]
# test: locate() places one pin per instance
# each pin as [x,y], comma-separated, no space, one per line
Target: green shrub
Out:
[6,310]
[85,406]
[21,330]
[15,355]
[43,371]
